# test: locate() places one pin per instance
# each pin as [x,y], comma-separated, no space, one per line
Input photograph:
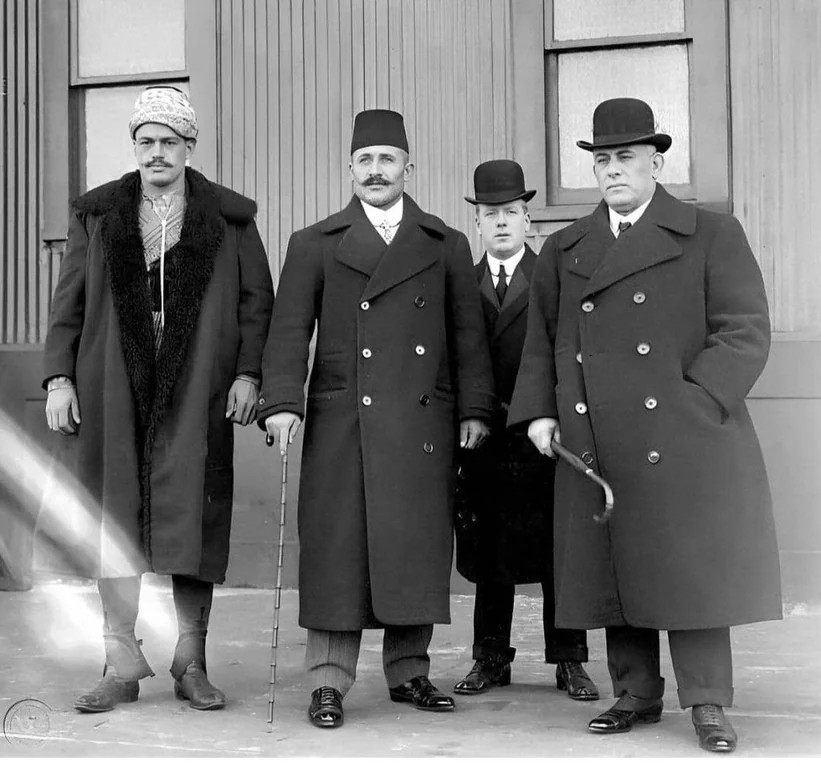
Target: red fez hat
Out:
[379,127]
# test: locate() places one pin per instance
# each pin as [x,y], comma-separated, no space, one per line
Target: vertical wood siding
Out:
[292,74]
[25,273]
[775,77]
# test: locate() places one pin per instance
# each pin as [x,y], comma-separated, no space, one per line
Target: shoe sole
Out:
[642,719]
[400,699]
[468,691]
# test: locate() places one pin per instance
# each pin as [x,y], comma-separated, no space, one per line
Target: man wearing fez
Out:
[647,327]
[401,372]
[504,519]
[153,353]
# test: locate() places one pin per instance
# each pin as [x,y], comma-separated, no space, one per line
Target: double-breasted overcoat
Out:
[504,496]
[154,450]
[645,347]
[400,358]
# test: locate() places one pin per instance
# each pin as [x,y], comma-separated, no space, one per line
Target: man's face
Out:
[379,174]
[627,175]
[161,154]
[503,227]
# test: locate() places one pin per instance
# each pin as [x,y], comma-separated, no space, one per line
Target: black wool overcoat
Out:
[400,358]
[154,451]
[504,495]
[645,347]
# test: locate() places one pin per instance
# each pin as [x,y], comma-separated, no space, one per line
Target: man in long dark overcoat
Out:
[401,372]
[153,352]
[504,517]
[648,325]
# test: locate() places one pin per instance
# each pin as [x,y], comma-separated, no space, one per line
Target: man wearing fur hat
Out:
[401,373]
[647,327]
[504,520]
[153,353]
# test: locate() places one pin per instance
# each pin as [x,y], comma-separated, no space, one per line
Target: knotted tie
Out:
[501,285]
[624,226]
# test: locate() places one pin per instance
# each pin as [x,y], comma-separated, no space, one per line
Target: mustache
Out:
[376,181]
[159,164]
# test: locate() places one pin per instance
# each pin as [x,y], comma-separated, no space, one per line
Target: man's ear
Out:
[657,163]
[409,169]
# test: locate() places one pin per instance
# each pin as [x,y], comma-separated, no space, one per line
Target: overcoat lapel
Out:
[517,293]
[486,288]
[361,244]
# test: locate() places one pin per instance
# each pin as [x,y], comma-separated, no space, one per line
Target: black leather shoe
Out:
[714,732]
[571,676]
[194,687]
[326,707]
[486,673]
[110,691]
[621,719]
[422,694]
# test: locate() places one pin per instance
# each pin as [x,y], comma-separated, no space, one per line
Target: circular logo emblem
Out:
[26,723]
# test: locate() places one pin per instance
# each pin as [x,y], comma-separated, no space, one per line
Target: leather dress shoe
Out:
[326,707]
[621,719]
[422,694]
[110,691]
[194,687]
[571,676]
[487,672]
[714,732]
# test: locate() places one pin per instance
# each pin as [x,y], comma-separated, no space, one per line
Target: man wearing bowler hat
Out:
[647,327]
[401,373]
[504,518]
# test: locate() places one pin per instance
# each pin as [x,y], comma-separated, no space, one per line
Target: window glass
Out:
[587,19]
[658,75]
[116,37]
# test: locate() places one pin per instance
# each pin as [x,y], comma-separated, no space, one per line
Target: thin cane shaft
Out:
[278,588]
[581,467]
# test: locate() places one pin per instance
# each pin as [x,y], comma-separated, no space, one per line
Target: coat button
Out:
[587,457]
[418,302]
[428,447]
[424,400]
[366,400]
[579,357]
[262,400]
[588,306]
[653,456]
[581,408]
[643,348]
[420,350]
[639,297]
[364,306]
[366,353]
[650,403]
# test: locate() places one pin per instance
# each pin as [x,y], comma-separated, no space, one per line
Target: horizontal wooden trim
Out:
[598,43]
[135,77]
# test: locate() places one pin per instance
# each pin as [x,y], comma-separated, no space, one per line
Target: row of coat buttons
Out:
[638,298]
[418,302]
[424,400]
[651,403]
[643,348]
[367,353]
[653,456]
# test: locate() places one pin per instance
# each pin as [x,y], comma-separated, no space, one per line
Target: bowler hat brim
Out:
[661,141]
[499,198]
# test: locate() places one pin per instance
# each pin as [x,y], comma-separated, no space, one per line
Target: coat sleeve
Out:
[738,320]
[467,341]
[285,359]
[256,299]
[534,395]
[67,305]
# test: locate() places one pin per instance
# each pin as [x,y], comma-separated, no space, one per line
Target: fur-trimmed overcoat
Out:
[645,347]
[400,358]
[154,450]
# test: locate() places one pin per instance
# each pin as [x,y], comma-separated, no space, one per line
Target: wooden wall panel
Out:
[292,75]
[775,76]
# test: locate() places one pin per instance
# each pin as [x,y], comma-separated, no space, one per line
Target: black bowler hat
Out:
[378,127]
[499,181]
[618,122]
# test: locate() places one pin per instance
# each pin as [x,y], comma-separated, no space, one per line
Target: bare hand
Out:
[542,432]
[283,428]
[472,433]
[242,402]
[63,410]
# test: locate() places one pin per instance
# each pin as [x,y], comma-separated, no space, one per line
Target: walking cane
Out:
[269,440]
[580,466]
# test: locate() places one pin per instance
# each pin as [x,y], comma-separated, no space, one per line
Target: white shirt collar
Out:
[632,217]
[377,215]
[510,263]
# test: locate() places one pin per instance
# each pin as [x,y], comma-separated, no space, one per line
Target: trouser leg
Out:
[331,657]
[192,602]
[492,618]
[560,644]
[703,664]
[405,653]
[120,598]
[633,662]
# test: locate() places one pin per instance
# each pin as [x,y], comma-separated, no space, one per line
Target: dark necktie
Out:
[624,226]
[501,285]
